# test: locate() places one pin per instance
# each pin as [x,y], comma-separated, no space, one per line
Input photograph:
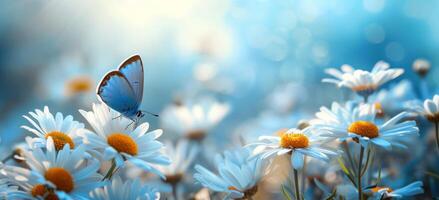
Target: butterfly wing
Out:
[132,69]
[115,91]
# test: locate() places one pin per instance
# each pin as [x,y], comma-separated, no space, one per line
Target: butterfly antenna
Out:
[155,115]
[130,125]
[120,116]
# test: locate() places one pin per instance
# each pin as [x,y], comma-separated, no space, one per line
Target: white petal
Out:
[297,160]
[109,153]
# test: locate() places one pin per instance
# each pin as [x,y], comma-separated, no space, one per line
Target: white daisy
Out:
[296,142]
[412,189]
[128,190]
[363,82]
[116,140]
[182,154]
[61,130]
[63,174]
[359,124]
[239,174]
[194,120]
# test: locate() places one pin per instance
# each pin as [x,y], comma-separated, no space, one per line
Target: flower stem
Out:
[302,182]
[10,156]
[360,192]
[174,191]
[296,184]
[367,162]
[111,170]
[436,126]
[348,152]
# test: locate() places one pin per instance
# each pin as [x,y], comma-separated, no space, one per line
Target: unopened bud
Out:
[421,67]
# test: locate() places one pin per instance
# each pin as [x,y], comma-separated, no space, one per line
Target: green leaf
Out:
[343,166]
[285,193]
[379,175]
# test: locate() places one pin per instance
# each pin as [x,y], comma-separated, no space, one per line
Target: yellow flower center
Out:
[61,178]
[363,128]
[377,188]
[60,139]
[79,85]
[233,188]
[360,88]
[248,194]
[281,132]
[173,178]
[433,118]
[379,109]
[196,135]
[40,190]
[18,155]
[122,143]
[294,140]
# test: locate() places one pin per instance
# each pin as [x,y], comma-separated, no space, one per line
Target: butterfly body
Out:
[122,89]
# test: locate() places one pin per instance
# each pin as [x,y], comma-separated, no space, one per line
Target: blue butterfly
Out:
[122,89]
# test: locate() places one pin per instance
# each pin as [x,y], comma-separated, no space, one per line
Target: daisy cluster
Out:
[351,149]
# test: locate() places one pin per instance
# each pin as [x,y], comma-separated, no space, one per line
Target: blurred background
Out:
[263,59]
[55,52]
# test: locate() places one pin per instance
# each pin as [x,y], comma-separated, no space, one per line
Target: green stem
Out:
[367,162]
[352,167]
[110,171]
[360,192]
[348,152]
[352,180]
[296,184]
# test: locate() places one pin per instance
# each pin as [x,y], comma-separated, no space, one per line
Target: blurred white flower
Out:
[71,78]
[194,119]
[55,174]
[181,154]
[406,191]
[129,190]
[363,82]
[117,140]
[394,100]
[359,123]
[61,130]
[284,97]
[239,174]
[296,142]
[6,189]
[430,109]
